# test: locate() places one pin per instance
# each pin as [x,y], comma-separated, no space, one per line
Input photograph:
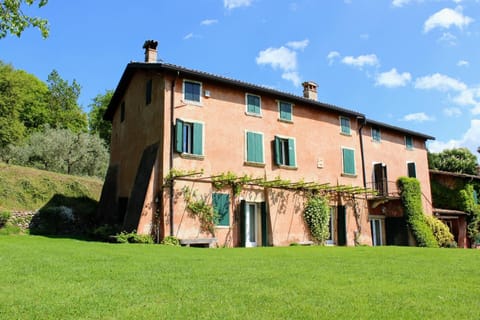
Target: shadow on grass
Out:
[66,217]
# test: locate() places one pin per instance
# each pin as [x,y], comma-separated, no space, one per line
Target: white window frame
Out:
[261,164]
[379,135]
[198,103]
[280,113]
[349,133]
[246,105]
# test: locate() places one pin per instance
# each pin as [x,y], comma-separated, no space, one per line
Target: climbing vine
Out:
[317,216]
[200,209]
[410,195]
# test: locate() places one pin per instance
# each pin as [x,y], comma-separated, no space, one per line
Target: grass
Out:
[25,189]
[46,278]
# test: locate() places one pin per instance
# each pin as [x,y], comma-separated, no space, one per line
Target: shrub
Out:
[4,217]
[104,232]
[133,237]
[53,221]
[317,216]
[171,241]
[441,232]
[410,194]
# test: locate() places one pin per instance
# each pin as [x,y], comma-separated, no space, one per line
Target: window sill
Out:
[222,227]
[409,148]
[376,141]
[256,115]
[282,166]
[192,103]
[349,175]
[254,164]
[346,134]
[284,120]
[192,156]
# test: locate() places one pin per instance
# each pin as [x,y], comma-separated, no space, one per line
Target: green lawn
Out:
[44,278]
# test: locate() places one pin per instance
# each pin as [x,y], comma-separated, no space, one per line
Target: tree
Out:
[14,21]
[95,117]
[23,104]
[459,160]
[61,150]
[65,113]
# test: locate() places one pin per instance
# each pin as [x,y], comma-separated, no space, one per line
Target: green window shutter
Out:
[285,111]
[345,125]
[197,138]
[148,92]
[254,147]
[411,170]
[277,143]
[264,222]
[409,142]
[179,136]
[291,153]
[348,161]
[475,196]
[221,205]
[253,104]
[243,210]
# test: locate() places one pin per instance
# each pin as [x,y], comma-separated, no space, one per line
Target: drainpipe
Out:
[363,122]
[172,148]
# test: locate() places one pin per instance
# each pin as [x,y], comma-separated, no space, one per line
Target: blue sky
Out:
[409,63]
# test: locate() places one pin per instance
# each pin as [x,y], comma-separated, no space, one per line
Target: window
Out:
[192,90]
[331,227]
[376,226]
[148,92]
[285,110]
[253,105]
[122,111]
[285,152]
[376,136]
[409,142]
[412,172]
[189,137]
[254,145]
[221,206]
[345,125]
[348,157]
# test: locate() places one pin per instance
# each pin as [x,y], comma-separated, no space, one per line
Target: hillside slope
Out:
[28,189]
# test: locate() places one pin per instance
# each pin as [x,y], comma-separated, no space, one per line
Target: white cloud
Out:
[298,45]
[332,55]
[232,4]
[448,38]
[282,58]
[446,18]
[361,61]
[292,76]
[188,36]
[392,79]
[417,117]
[470,140]
[463,63]
[400,3]
[452,112]
[208,22]
[439,82]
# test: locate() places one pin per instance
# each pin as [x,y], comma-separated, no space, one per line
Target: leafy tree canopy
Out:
[459,160]
[14,21]
[65,113]
[95,117]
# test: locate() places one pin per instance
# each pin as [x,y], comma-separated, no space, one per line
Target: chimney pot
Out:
[310,90]
[150,47]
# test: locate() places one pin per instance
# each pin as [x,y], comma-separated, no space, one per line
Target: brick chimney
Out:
[150,47]
[310,90]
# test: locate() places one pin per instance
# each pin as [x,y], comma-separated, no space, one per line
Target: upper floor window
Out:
[345,125]
[412,171]
[192,91]
[285,110]
[348,161]
[376,135]
[254,147]
[148,92]
[253,104]
[285,152]
[189,137]
[409,142]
